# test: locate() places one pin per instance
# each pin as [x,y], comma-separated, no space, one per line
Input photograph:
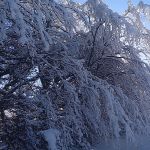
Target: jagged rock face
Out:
[72,73]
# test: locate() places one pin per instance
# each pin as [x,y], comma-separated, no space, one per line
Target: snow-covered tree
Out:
[71,75]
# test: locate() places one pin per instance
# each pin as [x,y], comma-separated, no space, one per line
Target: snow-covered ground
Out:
[142,143]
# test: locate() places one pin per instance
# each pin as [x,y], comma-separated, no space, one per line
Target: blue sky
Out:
[117,5]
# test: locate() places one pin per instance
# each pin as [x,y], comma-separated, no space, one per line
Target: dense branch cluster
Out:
[72,75]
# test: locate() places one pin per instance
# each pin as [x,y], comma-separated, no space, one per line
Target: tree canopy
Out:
[74,74]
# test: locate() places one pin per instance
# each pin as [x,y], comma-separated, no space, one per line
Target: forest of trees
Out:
[72,75]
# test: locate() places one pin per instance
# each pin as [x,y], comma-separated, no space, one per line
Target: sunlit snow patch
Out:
[10,113]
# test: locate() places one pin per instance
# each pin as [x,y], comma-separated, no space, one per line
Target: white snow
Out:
[142,143]
[10,113]
[51,137]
